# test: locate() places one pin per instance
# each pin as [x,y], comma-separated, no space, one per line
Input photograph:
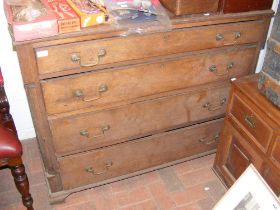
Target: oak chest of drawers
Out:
[251,134]
[106,107]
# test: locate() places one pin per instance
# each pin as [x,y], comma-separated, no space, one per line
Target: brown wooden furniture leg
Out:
[22,184]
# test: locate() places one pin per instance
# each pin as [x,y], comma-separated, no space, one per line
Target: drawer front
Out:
[113,50]
[234,154]
[275,154]
[252,121]
[102,88]
[180,7]
[246,5]
[97,129]
[114,161]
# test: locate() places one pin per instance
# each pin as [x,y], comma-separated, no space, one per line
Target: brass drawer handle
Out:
[76,58]
[94,172]
[250,121]
[214,69]
[205,140]
[214,107]
[80,94]
[237,35]
[102,129]
[219,37]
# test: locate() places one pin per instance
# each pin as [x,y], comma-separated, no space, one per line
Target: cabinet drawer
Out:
[103,88]
[97,129]
[246,5]
[180,7]
[113,50]
[91,167]
[234,154]
[275,154]
[252,122]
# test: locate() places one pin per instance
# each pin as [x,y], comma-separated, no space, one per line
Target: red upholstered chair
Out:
[11,149]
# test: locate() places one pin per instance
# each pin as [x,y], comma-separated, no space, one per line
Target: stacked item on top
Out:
[138,16]
[269,77]
[91,12]
[30,19]
[183,7]
[67,19]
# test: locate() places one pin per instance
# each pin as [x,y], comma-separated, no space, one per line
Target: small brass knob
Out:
[230,65]
[79,93]
[213,68]
[102,52]
[103,88]
[84,133]
[106,128]
[223,101]
[89,169]
[75,57]
[109,164]
[206,105]
[237,35]
[219,37]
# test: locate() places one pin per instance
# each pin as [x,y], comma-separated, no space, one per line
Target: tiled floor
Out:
[187,186]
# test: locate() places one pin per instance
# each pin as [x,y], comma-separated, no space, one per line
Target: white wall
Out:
[13,81]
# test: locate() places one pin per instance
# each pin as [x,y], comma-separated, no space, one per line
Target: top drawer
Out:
[113,50]
[252,121]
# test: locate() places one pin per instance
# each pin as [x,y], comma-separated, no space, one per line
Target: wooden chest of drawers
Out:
[181,7]
[251,134]
[106,107]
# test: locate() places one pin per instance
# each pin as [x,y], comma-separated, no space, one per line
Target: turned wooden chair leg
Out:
[22,185]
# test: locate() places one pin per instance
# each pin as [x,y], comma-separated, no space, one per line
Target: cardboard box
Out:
[43,26]
[67,19]
[89,19]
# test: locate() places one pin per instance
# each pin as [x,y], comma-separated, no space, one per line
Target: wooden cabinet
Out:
[246,5]
[180,7]
[106,107]
[251,134]
[183,7]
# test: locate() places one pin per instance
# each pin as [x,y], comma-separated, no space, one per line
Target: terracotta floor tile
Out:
[40,197]
[137,195]
[104,202]
[19,206]
[171,180]
[206,204]
[9,199]
[197,177]
[164,201]
[35,165]
[183,168]
[89,206]
[145,205]
[188,207]
[206,161]
[216,190]
[120,186]
[158,188]
[7,183]
[149,178]
[190,195]
[37,178]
